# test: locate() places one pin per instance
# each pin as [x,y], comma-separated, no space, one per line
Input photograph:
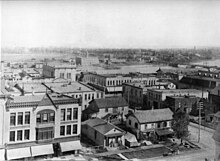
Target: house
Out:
[109,108]
[39,125]
[103,133]
[147,124]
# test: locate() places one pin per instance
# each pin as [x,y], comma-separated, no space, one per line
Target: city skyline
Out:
[110,24]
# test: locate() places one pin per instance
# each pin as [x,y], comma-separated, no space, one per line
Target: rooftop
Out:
[145,116]
[61,65]
[110,102]
[176,90]
[101,126]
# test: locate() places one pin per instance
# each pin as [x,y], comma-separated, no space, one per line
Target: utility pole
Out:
[200,107]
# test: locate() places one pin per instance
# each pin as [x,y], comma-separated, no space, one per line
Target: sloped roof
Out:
[216,135]
[101,126]
[110,102]
[144,116]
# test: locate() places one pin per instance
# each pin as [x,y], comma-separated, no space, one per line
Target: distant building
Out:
[109,108]
[198,82]
[87,61]
[211,73]
[147,124]
[39,125]
[31,72]
[65,71]
[103,133]
[156,97]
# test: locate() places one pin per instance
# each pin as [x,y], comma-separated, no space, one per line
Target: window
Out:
[93,96]
[152,125]
[68,75]
[88,96]
[19,135]
[106,109]
[12,135]
[69,114]
[52,117]
[62,130]
[38,118]
[75,113]
[97,95]
[26,134]
[68,129]
[12,119]
[44,133]
[62,115]
[61,75]
[129,122]
[27,118]
[74,129]
[164,124]
[136,125]
[20,118]
[45,117]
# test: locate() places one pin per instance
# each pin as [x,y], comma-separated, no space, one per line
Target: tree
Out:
[180,125]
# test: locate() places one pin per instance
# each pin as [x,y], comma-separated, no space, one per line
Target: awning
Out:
[2,154]
[163,132]
[72,145]
[42,150]
[18,153]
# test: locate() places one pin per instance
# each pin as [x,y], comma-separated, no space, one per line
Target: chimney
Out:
[152,108]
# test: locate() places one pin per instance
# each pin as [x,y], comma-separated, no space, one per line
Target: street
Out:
[206,143]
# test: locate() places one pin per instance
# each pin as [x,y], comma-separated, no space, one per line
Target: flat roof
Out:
[176,90]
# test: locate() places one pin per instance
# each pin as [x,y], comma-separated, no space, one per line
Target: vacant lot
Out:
[147,153]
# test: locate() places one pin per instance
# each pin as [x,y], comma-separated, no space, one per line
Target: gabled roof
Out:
[145,116]
[101,126]
[110,102]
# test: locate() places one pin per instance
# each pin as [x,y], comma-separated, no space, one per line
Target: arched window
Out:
[136,125]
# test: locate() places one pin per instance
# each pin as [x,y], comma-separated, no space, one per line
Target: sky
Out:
[110,23]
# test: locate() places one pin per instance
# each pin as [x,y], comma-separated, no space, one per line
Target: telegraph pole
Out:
[200,107]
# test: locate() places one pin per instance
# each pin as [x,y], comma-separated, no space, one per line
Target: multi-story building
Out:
[214,98]
[110,83]
[146,123]
[73,89]
[185,103]
[39,125]
[66,71]
[212,73]
[156,97]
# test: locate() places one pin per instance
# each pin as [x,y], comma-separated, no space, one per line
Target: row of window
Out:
[44,133]
[21,135]
[19,118]
[69,114]
[117,82]
[68,130]
[90,96]
[45,117]
[68,75]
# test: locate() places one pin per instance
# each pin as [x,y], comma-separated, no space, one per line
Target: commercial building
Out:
[149,123]
[156,97]
[65,71]
[214,98]
[39,125]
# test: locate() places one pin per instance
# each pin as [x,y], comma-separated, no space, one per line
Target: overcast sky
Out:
[111,24]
